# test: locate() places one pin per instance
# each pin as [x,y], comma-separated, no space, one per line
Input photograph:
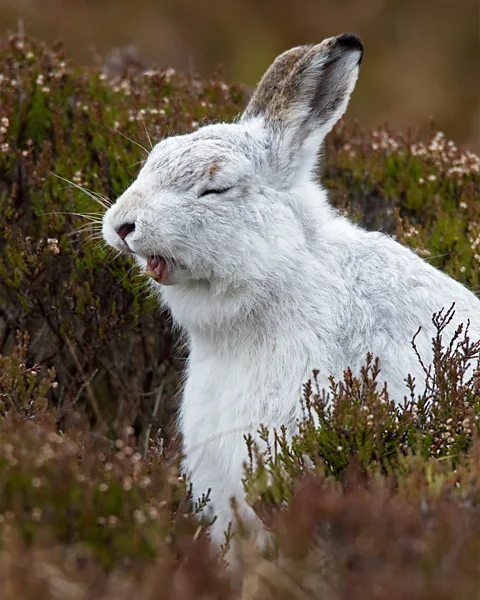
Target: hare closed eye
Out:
[216,191]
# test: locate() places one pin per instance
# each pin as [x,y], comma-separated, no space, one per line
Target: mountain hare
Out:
[266,278]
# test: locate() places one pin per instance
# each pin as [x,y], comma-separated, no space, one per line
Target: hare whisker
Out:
[89,193]
[132,141]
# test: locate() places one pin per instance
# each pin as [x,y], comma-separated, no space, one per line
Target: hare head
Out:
[226,208]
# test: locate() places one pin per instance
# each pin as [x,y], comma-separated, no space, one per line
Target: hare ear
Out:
[302,98]
[273,81]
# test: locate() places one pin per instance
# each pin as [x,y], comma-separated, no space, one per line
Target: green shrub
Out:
[86,314]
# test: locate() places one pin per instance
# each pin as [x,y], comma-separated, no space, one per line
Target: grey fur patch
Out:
[272,82]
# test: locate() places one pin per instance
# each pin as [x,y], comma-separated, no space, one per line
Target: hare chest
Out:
[226,397]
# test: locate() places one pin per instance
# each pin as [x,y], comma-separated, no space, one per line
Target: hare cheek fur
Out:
[268,281]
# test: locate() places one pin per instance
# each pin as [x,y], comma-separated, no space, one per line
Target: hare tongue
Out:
[157,268]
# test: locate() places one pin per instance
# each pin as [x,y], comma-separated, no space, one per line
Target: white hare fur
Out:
[266,278]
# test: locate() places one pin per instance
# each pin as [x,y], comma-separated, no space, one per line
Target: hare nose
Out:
[125,229]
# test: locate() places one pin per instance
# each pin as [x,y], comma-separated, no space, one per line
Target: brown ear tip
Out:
[350,41]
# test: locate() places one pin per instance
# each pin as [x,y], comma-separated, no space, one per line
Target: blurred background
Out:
[422,57]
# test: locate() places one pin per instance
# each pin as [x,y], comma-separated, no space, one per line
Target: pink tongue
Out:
[153,262]
[156,268]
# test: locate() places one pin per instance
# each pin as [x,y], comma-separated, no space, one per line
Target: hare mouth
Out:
[159,269]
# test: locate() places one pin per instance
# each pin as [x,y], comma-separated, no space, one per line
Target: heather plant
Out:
[64,131]
[368,500]
[371,498]
[372,536]
[23,389]
[424,192]
[356,423]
